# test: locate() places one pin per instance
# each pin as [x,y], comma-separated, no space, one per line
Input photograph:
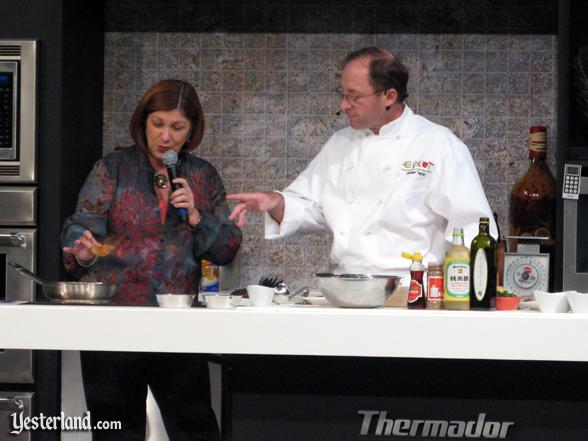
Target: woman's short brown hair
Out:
[169,95]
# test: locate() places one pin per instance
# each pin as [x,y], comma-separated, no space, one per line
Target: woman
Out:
[126,231]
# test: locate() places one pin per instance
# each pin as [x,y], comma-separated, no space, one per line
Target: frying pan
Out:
[81,292]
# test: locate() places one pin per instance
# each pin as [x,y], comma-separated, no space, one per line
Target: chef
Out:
[391,181]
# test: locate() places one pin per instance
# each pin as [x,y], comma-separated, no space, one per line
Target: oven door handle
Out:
[11,404]
[12,240]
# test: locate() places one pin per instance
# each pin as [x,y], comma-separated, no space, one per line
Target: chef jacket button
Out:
[387,168]
[368,233]
[341,233]
[350,201]
[380,201]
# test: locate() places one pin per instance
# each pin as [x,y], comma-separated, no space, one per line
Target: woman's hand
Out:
[82,249]
[184,198]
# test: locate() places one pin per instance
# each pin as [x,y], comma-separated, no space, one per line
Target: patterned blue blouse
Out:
[119,206]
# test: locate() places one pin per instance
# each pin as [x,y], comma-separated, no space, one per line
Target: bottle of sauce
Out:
[532,198]
[457,274]
[416,292]
[482,267]
[435,285]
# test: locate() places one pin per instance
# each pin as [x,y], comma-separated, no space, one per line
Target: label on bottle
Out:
[415,291]
[538,139]
[457,281]
[209,278]
[480,274]
[435,288]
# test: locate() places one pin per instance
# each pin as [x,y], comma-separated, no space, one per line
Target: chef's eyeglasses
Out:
[353,99]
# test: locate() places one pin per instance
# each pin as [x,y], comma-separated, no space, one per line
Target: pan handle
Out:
[25,272]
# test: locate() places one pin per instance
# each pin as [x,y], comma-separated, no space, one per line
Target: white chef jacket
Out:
[402,190]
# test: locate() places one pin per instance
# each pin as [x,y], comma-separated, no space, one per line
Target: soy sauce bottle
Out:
[416,292]
[457,273]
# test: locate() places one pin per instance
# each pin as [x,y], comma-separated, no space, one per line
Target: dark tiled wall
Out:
[266,71]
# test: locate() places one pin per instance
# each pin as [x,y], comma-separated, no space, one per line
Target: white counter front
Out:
[299,330]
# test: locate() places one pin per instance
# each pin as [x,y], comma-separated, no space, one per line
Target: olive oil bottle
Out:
[457,274]
[482,267]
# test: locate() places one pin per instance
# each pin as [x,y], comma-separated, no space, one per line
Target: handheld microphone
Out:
[170,159]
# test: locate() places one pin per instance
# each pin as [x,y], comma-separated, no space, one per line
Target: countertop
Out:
[299,330]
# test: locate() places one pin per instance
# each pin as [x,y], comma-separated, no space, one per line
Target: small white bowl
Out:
[175,300]
[235,299]
[578,301]
[219,302]
[261,296]
[551,301]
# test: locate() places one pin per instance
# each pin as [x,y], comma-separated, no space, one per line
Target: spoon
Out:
[281,293]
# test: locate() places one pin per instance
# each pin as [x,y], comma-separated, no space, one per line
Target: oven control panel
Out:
[8,108]
[571,181]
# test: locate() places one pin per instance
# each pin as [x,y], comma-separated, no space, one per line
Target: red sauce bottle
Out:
[417,298]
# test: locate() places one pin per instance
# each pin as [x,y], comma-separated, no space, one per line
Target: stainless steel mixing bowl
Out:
[356,290]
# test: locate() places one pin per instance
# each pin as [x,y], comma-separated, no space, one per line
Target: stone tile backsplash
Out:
[268,94]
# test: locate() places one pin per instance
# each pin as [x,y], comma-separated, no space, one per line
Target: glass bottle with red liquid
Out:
[416,292]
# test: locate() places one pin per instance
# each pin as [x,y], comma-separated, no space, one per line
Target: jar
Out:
[435,285]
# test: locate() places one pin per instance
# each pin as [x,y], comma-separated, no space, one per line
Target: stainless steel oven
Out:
[18,110]
[18,215]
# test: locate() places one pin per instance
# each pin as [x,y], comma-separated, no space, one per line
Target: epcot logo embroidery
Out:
[420,167]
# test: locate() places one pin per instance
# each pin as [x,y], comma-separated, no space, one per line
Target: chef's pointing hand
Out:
[269,201]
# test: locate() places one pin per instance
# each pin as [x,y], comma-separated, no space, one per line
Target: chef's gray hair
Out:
[386,70]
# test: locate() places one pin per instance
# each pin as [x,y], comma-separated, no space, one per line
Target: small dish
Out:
[175,300]
[261,296]
[316,300]
[578,301]
[219,302]
[507,303]
[235,299]
[552,301]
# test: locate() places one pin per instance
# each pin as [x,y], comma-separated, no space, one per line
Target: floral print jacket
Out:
[119,206]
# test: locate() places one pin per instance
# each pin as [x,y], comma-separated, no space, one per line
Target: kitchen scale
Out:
[526,269]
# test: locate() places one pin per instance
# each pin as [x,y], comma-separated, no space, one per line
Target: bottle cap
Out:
[415,256]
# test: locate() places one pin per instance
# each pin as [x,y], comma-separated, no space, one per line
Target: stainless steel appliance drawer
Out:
[19,206]
[13,405]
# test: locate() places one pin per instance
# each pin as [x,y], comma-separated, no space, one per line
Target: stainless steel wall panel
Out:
[18,206]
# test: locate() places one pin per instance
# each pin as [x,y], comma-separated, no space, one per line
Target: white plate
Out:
[316,300]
